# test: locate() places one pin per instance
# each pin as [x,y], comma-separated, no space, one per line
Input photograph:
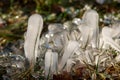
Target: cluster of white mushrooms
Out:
[76,40]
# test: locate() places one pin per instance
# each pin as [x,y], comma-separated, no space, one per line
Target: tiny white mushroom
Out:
[70,49]
[107,36]
[51,62]
[35,26]
[89,28]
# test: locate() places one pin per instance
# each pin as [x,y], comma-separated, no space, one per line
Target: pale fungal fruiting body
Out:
[110,36]
[70,49]
[85,34]
[107,36]
[77,40]
[35,26]
[51,63]
[56,37]
[72,31]
[48,61]
[90,29]
[69,64]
